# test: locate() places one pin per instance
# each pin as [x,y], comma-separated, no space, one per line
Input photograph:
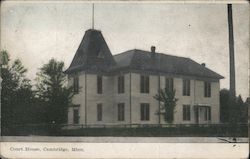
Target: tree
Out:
[224,105]
[168,103]
[17,95]
[243,109]
[53,92]
[232,108]
[4,58]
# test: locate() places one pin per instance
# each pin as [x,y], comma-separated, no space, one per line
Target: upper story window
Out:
[120,84]
[99,84]
[186,87]
[145,111]
[99,112]
[76,84]
[207,89]
[144,84]
[169,84]
[121,111]
[186,112]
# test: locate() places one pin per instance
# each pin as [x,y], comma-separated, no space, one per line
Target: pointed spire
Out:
[93,16]
[93,54]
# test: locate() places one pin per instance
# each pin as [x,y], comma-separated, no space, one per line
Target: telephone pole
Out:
[231,50]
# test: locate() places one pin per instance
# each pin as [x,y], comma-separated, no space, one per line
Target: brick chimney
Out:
[152,49]
[153,52]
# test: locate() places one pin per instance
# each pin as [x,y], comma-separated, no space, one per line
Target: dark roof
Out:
[93,54]
[158,62]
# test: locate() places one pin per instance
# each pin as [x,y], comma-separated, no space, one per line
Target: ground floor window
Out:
[99,112]
[186,112]
[121,111]
[145,111]
[76,115]
[207,115]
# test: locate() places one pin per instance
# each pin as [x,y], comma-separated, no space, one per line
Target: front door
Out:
[204,114]
[76,116]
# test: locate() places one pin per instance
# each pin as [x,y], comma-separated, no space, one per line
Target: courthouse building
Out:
[120,89]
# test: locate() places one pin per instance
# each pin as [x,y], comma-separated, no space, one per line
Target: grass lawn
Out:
[181,131]
[157,132]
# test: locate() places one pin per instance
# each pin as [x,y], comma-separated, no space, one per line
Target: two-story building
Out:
[120,89]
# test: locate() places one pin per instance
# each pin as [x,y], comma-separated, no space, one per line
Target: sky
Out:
[37,32]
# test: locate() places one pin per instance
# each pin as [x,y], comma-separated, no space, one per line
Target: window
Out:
[145,111]
[207,89]
[169,84]
[76,115]
[121,84]
[186,87]
[186,112]
[144,84]
[99,84]
[121,111]
[76,84]
[99,112]
[207,114]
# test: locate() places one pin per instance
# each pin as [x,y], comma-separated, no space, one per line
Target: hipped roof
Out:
[94,55]
[163,63]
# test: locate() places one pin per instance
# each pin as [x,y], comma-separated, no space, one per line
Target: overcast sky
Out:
[37,32]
